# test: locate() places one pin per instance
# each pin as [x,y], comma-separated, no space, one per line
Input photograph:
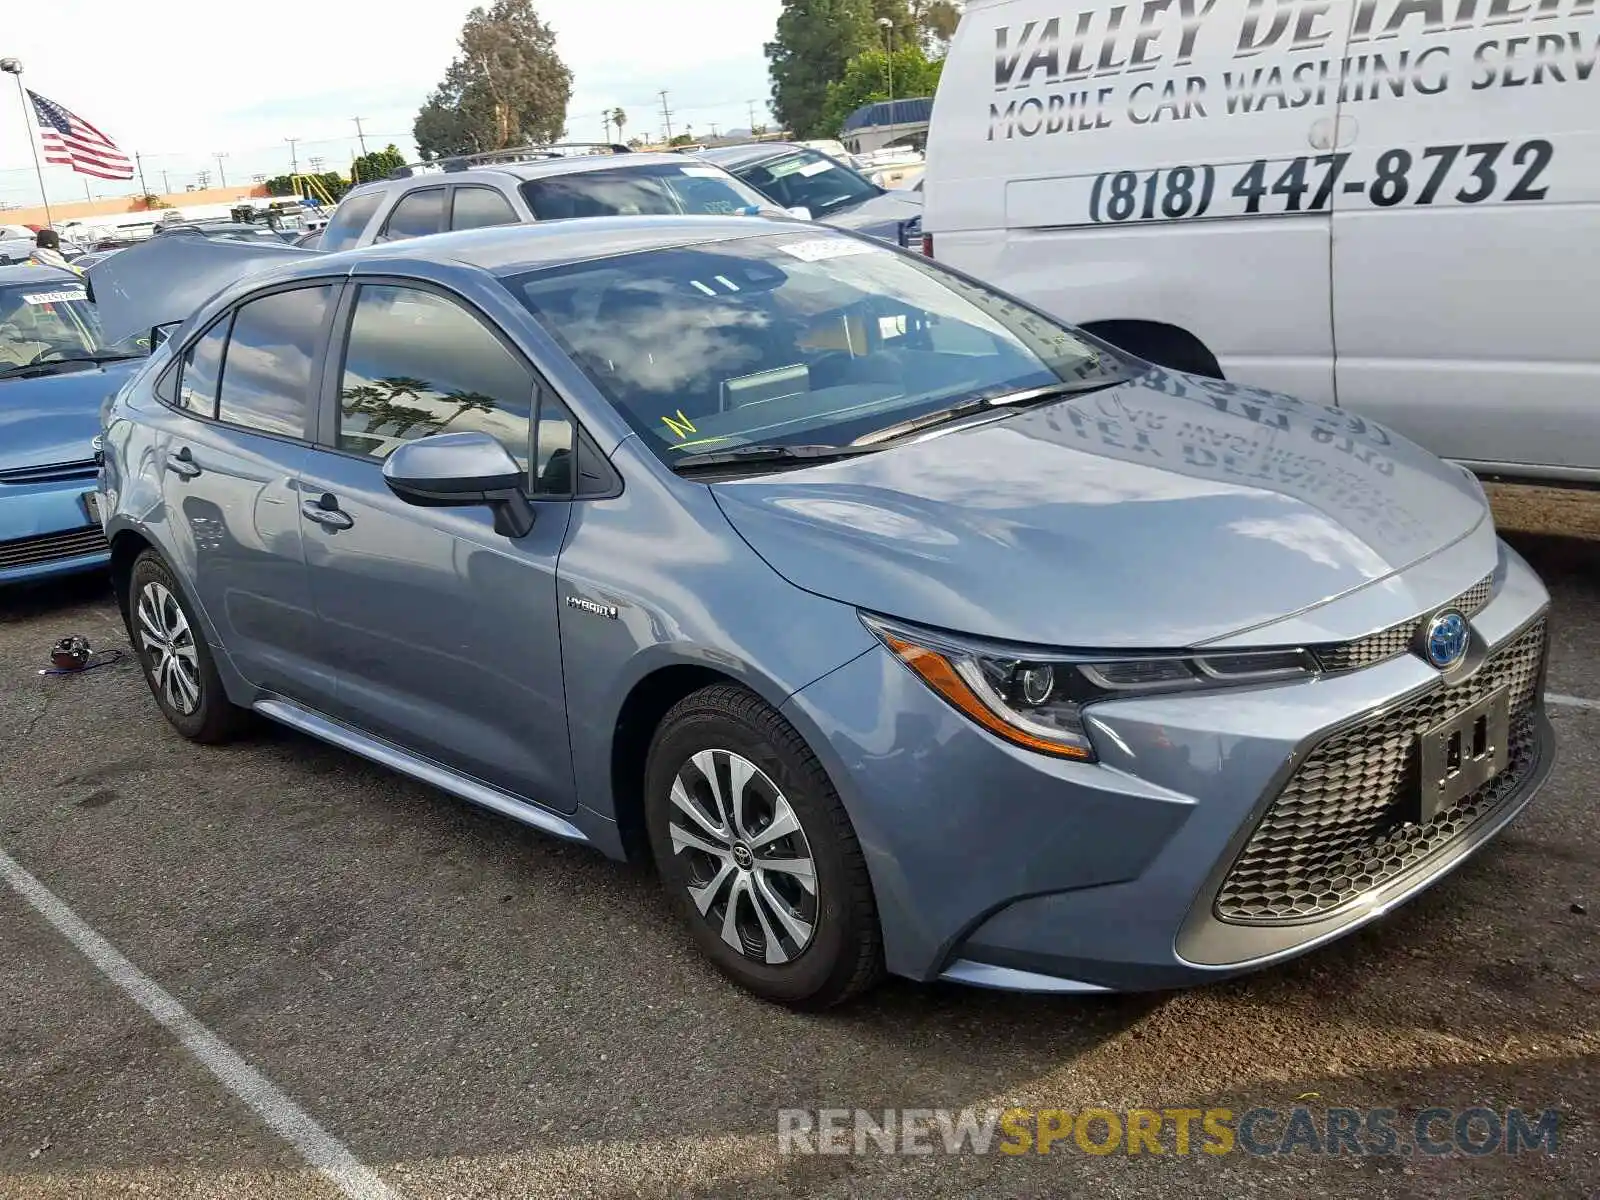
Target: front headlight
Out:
[1036,698]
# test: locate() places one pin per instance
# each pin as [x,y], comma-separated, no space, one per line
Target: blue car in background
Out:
[55,371]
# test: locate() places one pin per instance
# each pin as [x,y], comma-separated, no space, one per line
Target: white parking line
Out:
[315,1144]
[1572,701]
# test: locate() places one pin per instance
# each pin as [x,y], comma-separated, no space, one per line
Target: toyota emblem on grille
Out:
[1445,642]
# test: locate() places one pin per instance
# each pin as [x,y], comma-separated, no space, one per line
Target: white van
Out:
[1392,205]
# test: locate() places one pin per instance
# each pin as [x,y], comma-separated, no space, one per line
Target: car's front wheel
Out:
[757,853]
[176,660]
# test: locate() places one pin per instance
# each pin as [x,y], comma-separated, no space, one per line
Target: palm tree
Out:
[619,119]
[466,402]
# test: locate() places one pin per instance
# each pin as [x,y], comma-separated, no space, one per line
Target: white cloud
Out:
[178,85]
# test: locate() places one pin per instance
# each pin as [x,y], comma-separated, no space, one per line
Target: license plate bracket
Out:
[1461,755]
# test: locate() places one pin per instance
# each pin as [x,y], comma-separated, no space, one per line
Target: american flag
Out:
[70,141]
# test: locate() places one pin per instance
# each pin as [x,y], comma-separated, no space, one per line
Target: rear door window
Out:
[480,207]
[266,379]
[202,369]
[417,214]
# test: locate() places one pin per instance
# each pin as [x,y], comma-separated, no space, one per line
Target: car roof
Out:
[512,249]
[751,152]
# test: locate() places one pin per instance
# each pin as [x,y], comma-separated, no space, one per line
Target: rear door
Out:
[442,632]
[1466,254]
[231,474]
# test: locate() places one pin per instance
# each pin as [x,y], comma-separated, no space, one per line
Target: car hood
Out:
[1158,514]
[53,419]
[882,216]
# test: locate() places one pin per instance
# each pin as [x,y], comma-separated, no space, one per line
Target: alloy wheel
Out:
[169,648]
[750,870]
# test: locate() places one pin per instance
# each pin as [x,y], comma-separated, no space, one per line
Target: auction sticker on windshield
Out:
[701,172]
[820,249]
[54,297]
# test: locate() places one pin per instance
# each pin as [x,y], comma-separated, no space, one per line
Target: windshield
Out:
[44,320]
[808,179]
[794,338]
[657,189]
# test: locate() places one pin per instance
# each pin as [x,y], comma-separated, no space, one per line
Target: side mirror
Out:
[803,214]
[462,470]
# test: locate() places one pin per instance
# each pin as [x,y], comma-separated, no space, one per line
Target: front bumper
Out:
[47,528]
[1000,867]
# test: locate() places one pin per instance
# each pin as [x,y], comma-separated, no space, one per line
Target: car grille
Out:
[52,547]
[1397,639]
[51,473]
[1336,832]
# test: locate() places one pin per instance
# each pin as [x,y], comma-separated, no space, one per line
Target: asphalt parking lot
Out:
[467,1009]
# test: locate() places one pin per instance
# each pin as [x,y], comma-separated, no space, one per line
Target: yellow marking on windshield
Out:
[681,426]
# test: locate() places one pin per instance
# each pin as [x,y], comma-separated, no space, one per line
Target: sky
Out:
[180,85]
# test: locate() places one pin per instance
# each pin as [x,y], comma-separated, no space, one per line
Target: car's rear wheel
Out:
[172,650]
[757,853]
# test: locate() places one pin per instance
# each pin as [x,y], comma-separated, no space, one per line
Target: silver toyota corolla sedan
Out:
[902,626]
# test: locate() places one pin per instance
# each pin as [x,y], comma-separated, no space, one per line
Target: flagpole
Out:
[13,66]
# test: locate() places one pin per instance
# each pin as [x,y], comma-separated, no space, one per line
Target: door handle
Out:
[182,464]
[325,511]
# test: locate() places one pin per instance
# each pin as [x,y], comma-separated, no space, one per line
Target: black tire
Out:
[844,954]
[213,717]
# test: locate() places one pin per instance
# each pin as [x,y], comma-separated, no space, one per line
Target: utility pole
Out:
[166,187]
[202,181]
[316,164]
[607,116]
[222,176]
[294,159]
[752,106]
[666,116]
[714,134]
[360,134]
[143,190]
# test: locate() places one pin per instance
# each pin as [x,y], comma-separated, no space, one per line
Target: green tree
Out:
[506,86]
[377,164]
[682,139]
[619,119]
[815,40]
[866,80]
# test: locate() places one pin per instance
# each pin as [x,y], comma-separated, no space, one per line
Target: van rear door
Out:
[1466,244]
[1171,161]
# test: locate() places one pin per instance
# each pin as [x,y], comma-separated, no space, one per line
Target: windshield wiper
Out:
[762,453]
[982,404]
[51,365]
